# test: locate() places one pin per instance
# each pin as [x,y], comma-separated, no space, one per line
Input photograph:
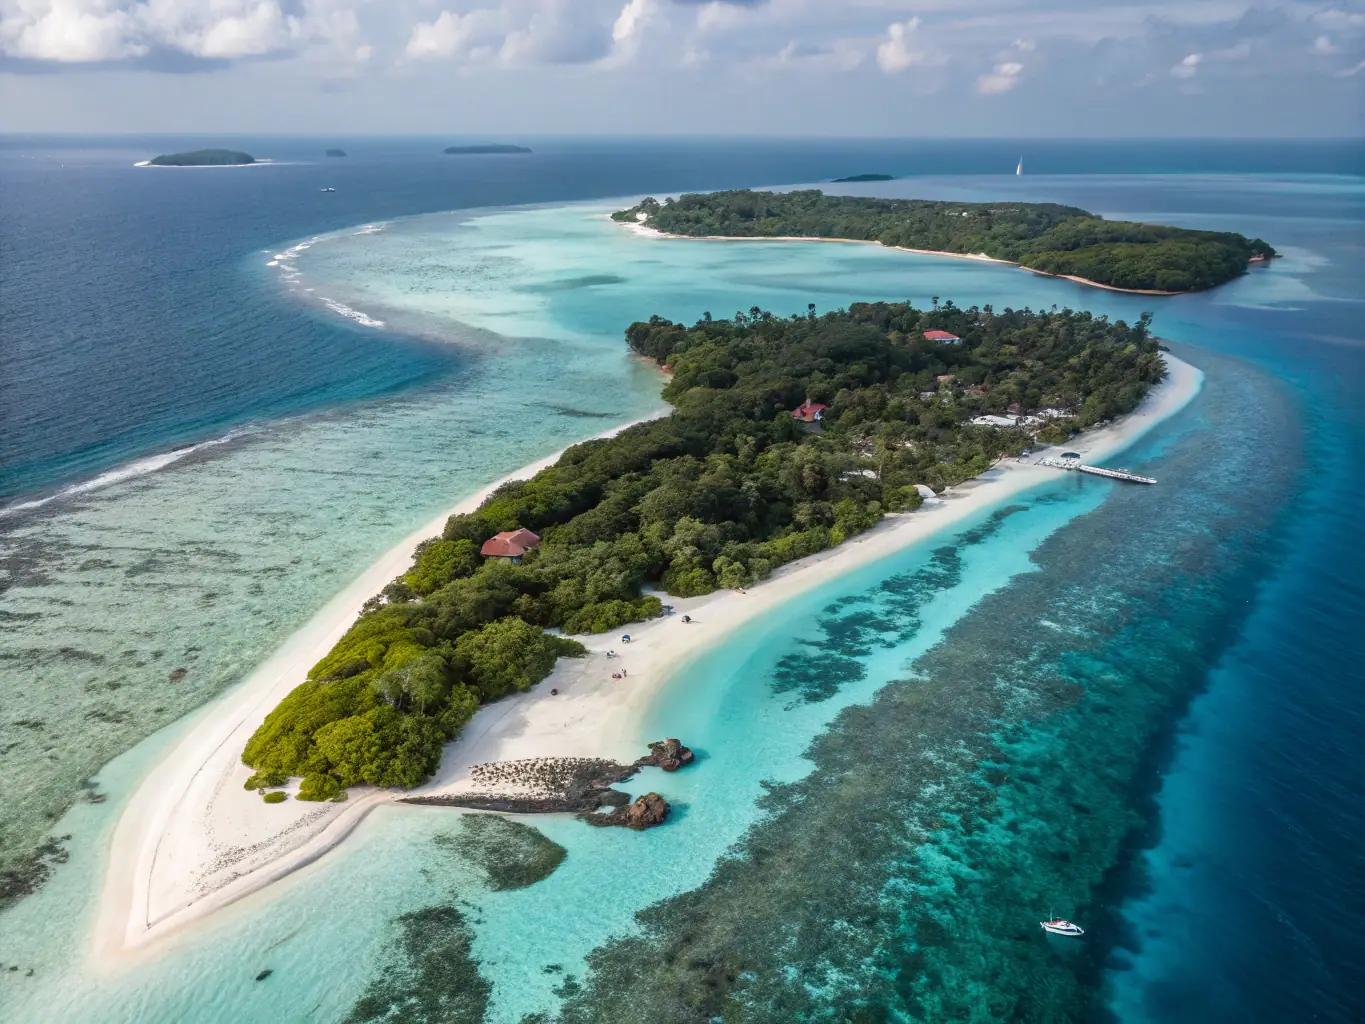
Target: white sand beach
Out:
[191,840]
[648,232]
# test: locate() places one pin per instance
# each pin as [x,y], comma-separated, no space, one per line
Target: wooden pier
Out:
[1112,474]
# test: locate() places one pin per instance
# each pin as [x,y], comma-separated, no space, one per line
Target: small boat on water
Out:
[1020,168]
[1057,926]
[329,190]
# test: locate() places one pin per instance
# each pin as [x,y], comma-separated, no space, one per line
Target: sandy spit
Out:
[191,840]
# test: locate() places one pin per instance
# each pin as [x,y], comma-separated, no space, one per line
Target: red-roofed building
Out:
[940,336]
[511,544]
[808,411]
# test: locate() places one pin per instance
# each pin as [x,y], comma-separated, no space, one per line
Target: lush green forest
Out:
[203,158]
[1041,236]
[715,495]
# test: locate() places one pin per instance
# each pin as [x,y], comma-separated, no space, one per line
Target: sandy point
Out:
[192,840]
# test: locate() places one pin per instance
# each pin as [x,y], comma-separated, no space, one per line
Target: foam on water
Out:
[137,468]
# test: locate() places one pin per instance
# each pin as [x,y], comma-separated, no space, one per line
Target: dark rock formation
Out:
[669,754]
[646,812]
[579,785]
[569,784]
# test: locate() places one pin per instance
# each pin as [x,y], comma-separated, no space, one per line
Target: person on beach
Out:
[625,639]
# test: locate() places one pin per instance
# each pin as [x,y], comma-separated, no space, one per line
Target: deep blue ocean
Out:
[131,323]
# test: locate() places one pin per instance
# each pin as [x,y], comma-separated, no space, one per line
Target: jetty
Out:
[1072,462]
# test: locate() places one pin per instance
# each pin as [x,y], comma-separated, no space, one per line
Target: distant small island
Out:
[1047,238]
[203,158]
[336,152]
[494,148]
[866,177]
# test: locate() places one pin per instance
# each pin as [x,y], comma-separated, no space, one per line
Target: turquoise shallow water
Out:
[1131,597]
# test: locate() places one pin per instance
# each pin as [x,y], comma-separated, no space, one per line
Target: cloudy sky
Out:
[854,67]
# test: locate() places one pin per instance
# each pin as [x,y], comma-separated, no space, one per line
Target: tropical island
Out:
[494,148]
[1048,238]
[336,152]
[865,177]
[788,436]
[203,158]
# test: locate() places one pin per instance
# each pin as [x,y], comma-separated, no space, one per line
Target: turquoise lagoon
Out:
[1064,584]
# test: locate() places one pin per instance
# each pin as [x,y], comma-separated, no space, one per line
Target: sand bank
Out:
[640,229]
[192,840]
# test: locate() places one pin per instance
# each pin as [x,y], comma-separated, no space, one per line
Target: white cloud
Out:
[1323,44]
[717,16]
[82,31]
[631,21]
[1333,17]
[1353,71]
[69,30]
[450,35]
[1002,79]
[894,54]
[1188,67]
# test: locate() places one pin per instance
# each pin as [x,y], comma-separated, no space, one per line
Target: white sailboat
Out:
[1058,926]
[1020,168]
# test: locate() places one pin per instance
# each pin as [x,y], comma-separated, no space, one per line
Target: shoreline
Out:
[254,163]
[981,257]
[191,840]
[201,769]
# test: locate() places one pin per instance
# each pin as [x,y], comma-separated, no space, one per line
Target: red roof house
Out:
[940,336]
[808,411]
[511,544]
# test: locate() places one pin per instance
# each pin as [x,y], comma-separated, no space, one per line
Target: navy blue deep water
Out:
[132,323]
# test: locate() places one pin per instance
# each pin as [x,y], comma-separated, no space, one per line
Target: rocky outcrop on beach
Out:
[647,810]
[582,785]
[669,754]
[644,812]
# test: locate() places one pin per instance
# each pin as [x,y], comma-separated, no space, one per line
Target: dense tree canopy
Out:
[1041,236]
[715,495]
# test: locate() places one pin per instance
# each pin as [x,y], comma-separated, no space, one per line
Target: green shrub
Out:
[276,796]
[688,582]
[608,615]
[317,786]
[266,780]
[510,655]
[439,561]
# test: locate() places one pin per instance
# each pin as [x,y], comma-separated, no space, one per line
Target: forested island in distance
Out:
[865,177]
[1046,237]
[730,485]
[336,152]
[475,150]
[203,158]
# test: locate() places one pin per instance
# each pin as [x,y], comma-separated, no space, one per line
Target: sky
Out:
[1041,68]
